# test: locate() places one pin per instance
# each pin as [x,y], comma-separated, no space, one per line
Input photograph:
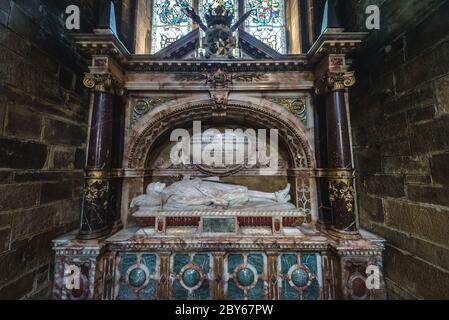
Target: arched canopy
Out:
[258,113]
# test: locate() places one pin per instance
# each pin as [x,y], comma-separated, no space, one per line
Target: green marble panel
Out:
[203,292]
[178,291]
[126,261]
[312,292]
[219,225]
[130,280]
[202,260]
[258,292]
[287,261]
[256,260]
[191,277]
[234,260]
[149,260]
[179,261]
[233,292]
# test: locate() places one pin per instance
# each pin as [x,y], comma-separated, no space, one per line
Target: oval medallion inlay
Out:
[245,277]
[137,277]
[191,277]
[300,277]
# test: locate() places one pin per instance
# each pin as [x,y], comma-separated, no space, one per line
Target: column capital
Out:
[333,74]
[333,81]
[103,82]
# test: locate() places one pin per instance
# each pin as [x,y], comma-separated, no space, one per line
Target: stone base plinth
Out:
[299,264]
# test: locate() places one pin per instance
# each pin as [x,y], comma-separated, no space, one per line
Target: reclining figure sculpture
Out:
[210,193]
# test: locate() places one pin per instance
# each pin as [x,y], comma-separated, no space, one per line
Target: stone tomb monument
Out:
[152,229]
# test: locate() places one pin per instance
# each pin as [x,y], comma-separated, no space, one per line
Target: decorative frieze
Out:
[223,73]
[251,77]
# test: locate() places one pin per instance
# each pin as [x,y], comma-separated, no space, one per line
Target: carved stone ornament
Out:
[334,81]
[250,77]
[145,105]
[342,190]
[219,99]
[219,79]
[96,190]
[102,83]
[297,106]
[213,78]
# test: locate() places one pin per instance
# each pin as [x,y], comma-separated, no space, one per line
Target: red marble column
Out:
[96,206]
[339,162]
[339,168]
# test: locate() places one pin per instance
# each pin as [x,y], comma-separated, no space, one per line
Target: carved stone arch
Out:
[257,111]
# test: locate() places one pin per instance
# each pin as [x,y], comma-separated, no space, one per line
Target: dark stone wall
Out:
[400,129]
[43,128]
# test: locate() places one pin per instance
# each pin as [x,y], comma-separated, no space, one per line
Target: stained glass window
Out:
[230,7]
[267,22]
[170,22]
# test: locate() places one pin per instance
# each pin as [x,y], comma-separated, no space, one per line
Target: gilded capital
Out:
[102,83]
[333,81]
[340,80]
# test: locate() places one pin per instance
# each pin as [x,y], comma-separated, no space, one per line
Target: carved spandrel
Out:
[145,105]
[297,106]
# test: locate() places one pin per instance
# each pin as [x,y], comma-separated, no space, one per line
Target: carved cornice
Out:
[334,43]
[102,43]
[145,63]
[221,77]
[328,56]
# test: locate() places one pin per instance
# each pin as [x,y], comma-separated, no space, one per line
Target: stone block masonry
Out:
[43,131]
[400,119]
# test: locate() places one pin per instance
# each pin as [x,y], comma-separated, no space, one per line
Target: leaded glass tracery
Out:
[170,22]
[208,6]
[267,22]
